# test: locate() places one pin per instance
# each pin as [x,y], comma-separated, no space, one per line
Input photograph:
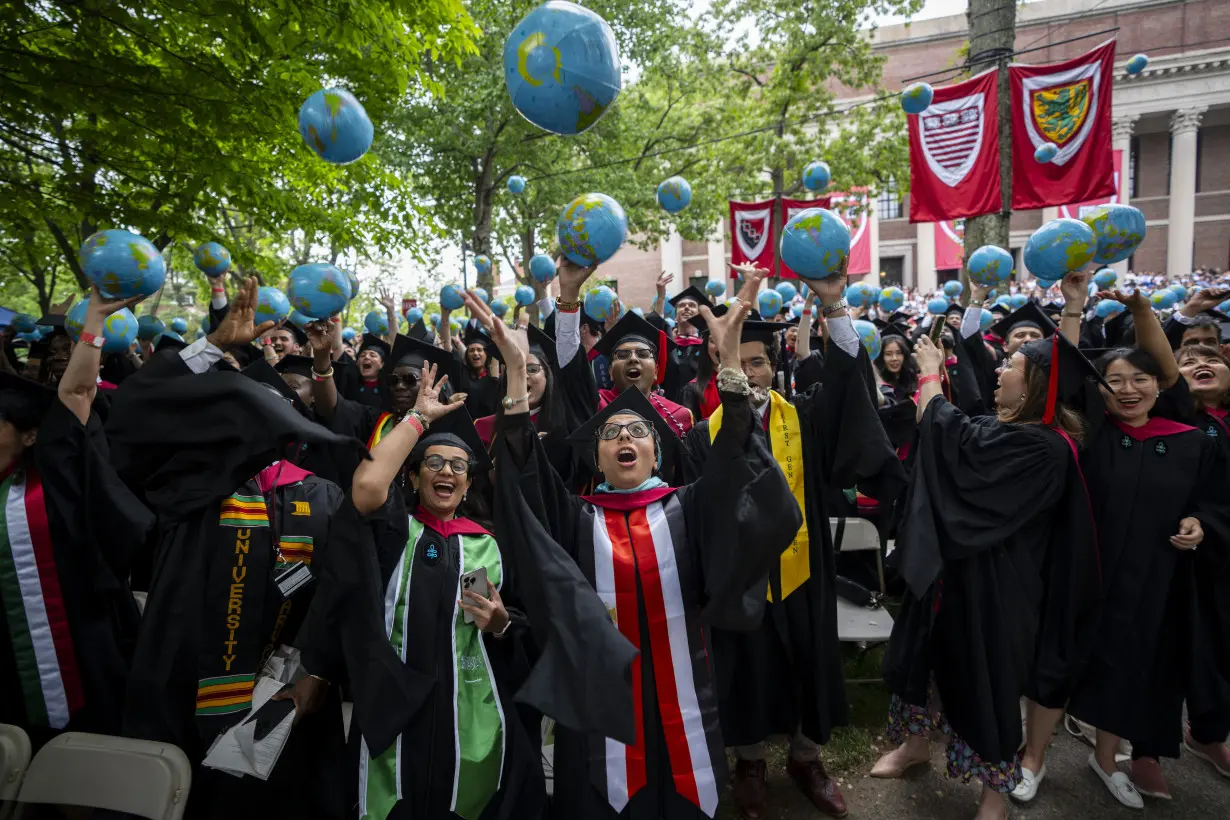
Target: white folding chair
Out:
[139,777]
[14,759]
[860,624]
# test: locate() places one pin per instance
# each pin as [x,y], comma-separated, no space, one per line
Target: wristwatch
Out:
[509,402]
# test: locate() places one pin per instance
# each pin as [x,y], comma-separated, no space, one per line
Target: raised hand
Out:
[930,359]
[239,325]
[725,332]
[747,269]
[513,345]
[571,278]
[752,277]
[1075,288]
[100,307]
[1203,300]
[664,279]
[385,298]
[830,290]
[489,613]
[62,308]
[1135,301]
[321,334]
[428,402]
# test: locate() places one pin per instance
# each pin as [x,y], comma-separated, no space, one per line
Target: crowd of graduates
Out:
[622,526]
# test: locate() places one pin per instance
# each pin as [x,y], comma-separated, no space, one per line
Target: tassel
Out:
[1052,386]
[663,355]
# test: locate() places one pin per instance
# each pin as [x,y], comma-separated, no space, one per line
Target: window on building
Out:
[1133,165]
[889,204]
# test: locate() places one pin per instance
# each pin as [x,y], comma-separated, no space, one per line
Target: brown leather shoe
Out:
[749,788]
[822,790]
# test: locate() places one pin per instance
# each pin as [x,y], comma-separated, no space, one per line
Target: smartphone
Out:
[937,329]
[475,582]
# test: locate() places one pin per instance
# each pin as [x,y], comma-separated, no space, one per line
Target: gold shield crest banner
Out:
[1060,111]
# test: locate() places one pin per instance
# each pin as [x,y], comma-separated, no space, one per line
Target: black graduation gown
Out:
[374,395]
[997,546]
[681,369]
[95,524]
[787,674]
[1141,482]
[722,535]
[482,392]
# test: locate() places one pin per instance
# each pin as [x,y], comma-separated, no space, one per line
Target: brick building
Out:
[1172,123]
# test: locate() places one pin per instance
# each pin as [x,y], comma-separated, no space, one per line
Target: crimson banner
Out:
[949,244]
[854,208]
[790,207]
[751,233]
[1067,104]
[1080,209]
[954,152]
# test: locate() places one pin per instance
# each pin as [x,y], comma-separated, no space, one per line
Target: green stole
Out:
[478,726]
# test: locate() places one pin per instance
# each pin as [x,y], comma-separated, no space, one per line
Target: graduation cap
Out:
[456,430]
[415,353]
[956,308]
[474,336]
[631,401]
[52,320]
[632,328]
[23,402]
[1117,326]
[167,342]
[698,321]
[265,373]
[1000,308]
[694,293]
[1067,370]
[1030,315]
[245,354]
[758,331]
[373,342]
[298,365]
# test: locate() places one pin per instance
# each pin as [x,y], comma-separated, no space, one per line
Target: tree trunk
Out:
[992,35]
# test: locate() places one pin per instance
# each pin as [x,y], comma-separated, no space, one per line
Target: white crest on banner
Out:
[856,222]
[954,229]
[951,136]
[752,231]
[1063,108]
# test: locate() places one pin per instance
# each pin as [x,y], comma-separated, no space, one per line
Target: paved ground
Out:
[1070,791]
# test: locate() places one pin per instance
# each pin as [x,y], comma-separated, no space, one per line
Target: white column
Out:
[1180,235]
[926,282]
[873,275]
[907,268]
[671,250]
[717,253]
[1121,140]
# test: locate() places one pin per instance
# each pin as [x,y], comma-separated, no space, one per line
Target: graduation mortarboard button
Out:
[632,401]
[1030,315]
[262,372]
[456,429]
[373,342]
[691,292]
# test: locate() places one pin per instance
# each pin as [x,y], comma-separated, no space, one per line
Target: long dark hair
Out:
[704,370]
[1142,360]
[907,379]
[1033,408]
[547,412]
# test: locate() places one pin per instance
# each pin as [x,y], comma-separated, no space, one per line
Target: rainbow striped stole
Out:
[241,510]
[384,423]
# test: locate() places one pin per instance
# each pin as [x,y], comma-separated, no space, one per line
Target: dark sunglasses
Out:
[408,379]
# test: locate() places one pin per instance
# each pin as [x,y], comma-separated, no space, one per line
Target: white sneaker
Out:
[1027,789]
[1119,785]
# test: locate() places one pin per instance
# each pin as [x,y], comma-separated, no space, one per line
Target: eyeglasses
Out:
[408,379]
[1006,364]
[459,466]
[533,369]
[758,363]
[642,353]
[611,430]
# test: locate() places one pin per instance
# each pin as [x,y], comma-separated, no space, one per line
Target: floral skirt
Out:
[906,719]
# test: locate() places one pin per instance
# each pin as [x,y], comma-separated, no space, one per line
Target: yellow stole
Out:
[786,437]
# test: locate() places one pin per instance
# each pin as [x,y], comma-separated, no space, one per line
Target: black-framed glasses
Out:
[436,463]
[611,430]
[533,369]
[642,353]
[408,379]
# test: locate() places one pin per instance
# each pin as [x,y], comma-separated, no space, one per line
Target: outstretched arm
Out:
[79,384]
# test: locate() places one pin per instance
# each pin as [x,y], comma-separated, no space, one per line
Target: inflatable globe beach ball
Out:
[24,323]
[205,323]
[815,243]
[561,67]
[334,125]
[1180,292]
[318,290]
[856,296]
[1018,301]
[122,264]
[354,281]
[298,319]
[938,306]
[450,297]
[796,311]
[179,324]
[769,303]
[1108,308]
[1118,229]
[869,335]
[148,327]
[985,320]
[272,305]
[434,320]
[1059,246]
[119,329]
[413,315]
[1105,279]
[481,293]
[916,98]
[891,299]
[816,176]
[74,319]
[516,184]
[500,309]
[482,265]
[990,265]
[599,302]
[715,287]
[524,295]
[674,194]
[591,229]
[211,258]
[542,268]
[1137,64]
[376,322]
[348,335]
[953,288]
[787,290]
[1162,299]
[1045,152]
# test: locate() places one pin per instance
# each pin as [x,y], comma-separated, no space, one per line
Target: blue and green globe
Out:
[516,184]
[715,287]
[179,324]
[122,264]
[591,229]
[1059,247]
[953,288]
[450,297]
[298,319]
[318,290]
[148,327]
[599,303]
[1119,230]
[271,305]
[377,323]
[211,258]
[414,314]
[891,299]
[816,176]
[542,268]
[482,265]
[481,293]
[917,98]
[119,329]
[562,68]
[500,309]
[1108,308]
[990,265]
[354,282]
[524,295]
[348,335]
[769,303]
[815,243]
[869,336]
[787,290]
[335,125]
[674,194]
[24,323]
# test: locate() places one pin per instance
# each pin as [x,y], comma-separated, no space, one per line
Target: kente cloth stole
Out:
[786,438]
[384,423]
[34,609]
[478,728]
[638,547]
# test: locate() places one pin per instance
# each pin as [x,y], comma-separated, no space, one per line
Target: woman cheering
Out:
[666,563]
